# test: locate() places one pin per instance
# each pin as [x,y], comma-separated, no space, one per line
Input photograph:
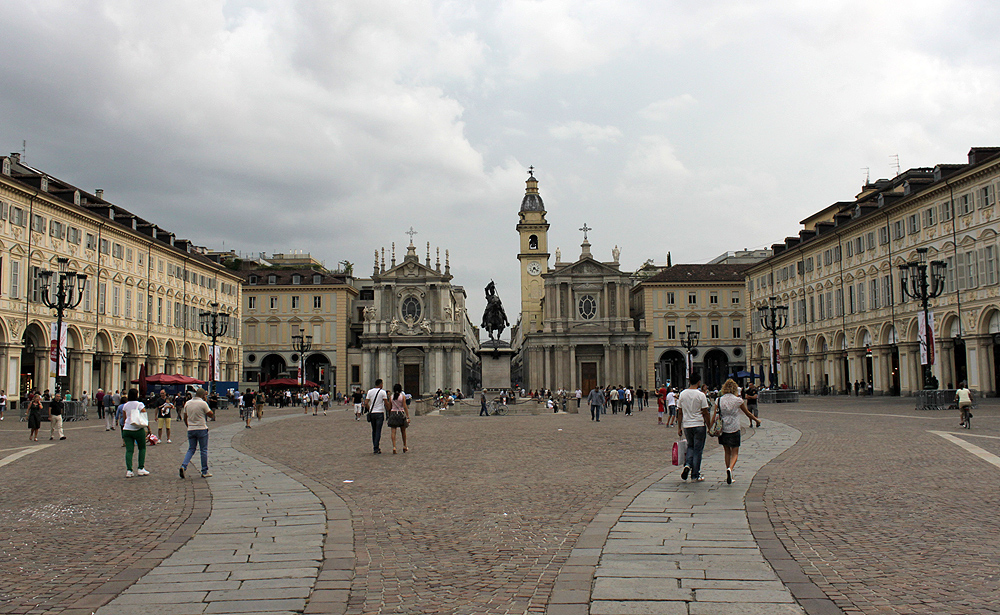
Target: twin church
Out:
[575,328]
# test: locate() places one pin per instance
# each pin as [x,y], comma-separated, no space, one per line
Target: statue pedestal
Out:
[495,359]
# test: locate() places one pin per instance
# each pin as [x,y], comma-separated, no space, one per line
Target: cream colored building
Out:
[298,298]
[709,299]
[848,320]
[144,291]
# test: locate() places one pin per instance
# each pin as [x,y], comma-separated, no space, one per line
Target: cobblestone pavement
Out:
[883,514]
[481,514]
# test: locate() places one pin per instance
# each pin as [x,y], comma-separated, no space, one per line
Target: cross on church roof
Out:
[531,171]
[585,228]
[411,233]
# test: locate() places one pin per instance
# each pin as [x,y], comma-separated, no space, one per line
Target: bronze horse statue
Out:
[494,318]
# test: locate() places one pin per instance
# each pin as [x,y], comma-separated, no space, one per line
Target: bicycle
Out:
[967,417]
[497,407]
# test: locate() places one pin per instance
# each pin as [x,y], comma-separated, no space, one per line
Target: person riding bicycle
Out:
[964,398]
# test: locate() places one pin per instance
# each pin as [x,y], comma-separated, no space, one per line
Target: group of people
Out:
[666,400]
[618,398]
[35,412]
[696,413]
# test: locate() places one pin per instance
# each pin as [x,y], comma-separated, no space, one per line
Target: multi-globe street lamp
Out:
[302,344]
[213,324]
[689,340]
[773,317]
[69,293]
[923,285]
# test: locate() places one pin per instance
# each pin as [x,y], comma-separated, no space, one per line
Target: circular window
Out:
[295,358]
[588,307]
[411,309]
[737,352]
[252,358]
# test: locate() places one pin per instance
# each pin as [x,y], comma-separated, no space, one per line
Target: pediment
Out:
[410,270]
[586,267]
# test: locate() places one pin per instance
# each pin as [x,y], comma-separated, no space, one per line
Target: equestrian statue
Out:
[494,318]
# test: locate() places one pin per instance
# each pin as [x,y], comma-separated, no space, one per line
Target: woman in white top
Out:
[134,433]
[964,398]
[729,408]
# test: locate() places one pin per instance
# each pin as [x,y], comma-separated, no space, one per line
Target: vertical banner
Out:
[300,379]
[689,365]
[213,363]
[926,337]
[57,341]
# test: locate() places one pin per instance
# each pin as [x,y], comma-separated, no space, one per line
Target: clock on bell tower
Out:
[534,255]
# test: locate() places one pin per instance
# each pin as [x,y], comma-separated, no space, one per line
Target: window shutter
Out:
[979,199]
[960,270]
[982,268]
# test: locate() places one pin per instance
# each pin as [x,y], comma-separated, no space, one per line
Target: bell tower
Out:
[534,254]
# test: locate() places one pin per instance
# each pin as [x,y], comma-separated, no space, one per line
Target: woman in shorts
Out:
[399,417]
[729,408]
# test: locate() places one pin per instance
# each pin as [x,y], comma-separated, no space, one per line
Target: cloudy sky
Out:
[333,126]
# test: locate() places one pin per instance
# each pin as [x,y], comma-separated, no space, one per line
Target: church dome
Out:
[532,202]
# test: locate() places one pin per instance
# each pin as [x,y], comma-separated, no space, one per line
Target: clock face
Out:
[534,268]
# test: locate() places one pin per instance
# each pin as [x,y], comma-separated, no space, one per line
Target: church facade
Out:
[416,331]
[575,329]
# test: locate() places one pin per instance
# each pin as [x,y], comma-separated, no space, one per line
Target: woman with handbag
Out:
[399,416]
[134,432]
[34,417]
[728,411]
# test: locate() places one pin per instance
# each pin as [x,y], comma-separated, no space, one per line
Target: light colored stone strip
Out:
[259,551]
[686,548]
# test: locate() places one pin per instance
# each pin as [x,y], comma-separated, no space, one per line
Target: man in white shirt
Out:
[375,400]
[579,396]
[693,424]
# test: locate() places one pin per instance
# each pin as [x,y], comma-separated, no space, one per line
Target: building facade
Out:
[282,300]
[417,330]
[575,329]
[141,303]
[708,299]
[849,320]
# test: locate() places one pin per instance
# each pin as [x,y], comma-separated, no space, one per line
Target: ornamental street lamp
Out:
[917,284]
[773,317]
[302,344]
[689,340]
[69,293]
[213,324]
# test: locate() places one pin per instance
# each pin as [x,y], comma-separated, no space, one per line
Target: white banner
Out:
[62,349]
[927,338]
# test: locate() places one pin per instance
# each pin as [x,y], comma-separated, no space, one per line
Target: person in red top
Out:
[661,400]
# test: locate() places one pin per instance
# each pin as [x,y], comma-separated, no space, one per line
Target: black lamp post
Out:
[917,284]
[689,340]
[213,324]
[302,344]
[773,317]
[69,293]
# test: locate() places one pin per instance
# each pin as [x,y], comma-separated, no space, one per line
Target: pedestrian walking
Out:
[34,417]
[377,403]
[3,403]
[579,396]
[693,425]
[751,394]
[259,403]
[56,419]
[134,432]
[483,410]
[357,397]
[628,401]
[613,400]
[671,406]
[196,415]
[399,416]
[730,407]
[596,401]
[249,403]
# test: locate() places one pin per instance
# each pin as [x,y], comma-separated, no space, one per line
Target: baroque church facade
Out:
[575,329]
[416,329]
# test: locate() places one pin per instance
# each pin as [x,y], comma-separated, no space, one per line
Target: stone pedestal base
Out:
[495,360]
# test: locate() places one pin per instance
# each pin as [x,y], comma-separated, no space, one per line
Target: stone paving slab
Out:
[260,550]
[686,548]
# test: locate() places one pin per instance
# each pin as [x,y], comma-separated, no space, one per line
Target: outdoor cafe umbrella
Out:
[142,380]
[287,382]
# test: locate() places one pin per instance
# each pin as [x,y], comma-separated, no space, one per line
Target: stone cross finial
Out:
[531,171]
[585,228]
[411,233]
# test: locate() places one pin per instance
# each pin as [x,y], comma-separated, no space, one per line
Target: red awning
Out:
[170,379]
[287,382]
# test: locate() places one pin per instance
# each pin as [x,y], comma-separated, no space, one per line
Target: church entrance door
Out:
[411,380]
[588,376]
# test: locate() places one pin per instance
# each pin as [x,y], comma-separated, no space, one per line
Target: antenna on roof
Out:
[895,159]
[24,150]
[868,175]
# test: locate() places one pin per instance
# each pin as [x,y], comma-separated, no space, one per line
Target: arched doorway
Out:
[272,366]
[33,343]
[670,369]
[316,362]
[716,368]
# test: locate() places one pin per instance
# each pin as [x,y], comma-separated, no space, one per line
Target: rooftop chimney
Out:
[99,193]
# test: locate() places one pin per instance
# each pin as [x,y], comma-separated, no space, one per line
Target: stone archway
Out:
[34,365]
[670,369]
[716,366]
[272,366]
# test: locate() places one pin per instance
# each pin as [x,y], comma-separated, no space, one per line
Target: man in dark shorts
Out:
[357,397]
[750,394]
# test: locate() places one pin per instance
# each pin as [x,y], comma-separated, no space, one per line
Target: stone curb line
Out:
[331,591]
[107,592]
[808,594]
